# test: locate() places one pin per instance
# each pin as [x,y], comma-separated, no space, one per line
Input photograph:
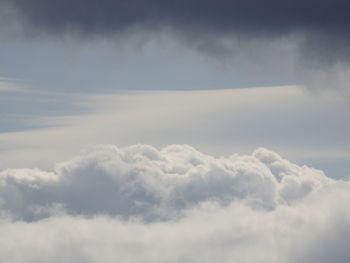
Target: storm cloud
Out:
[301,40]
[271,17]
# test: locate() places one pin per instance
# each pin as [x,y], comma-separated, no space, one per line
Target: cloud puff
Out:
[141,181]
[173,205]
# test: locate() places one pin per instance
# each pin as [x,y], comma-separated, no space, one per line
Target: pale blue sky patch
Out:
[20,107]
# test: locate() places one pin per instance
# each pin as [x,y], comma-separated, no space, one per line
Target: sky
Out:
[174,131]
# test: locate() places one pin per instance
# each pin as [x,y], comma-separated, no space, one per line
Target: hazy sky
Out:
[172,131]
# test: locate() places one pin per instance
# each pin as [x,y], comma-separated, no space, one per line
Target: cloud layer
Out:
[324,24]
[173,205]
[293,41]
[252,17]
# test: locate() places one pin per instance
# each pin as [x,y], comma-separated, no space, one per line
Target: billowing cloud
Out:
[173,205]
[141,181]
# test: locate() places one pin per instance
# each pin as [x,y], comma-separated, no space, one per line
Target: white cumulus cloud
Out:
[155,184]
[142,204]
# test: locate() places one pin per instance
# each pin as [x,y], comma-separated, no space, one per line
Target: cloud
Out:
[141,181]
[207,234]
[324,23]
[297,41]
[241,208]
[248,18]
[8,85]
[213,121]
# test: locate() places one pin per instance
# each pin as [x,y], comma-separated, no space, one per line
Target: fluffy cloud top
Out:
[173,205]
[141,181]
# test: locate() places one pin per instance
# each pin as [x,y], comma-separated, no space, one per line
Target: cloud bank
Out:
[250,18]
[322,24]
[306,42]
[173,205]
[319,20]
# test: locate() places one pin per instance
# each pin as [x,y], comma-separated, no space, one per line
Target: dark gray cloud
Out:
[250,17]
[318,29]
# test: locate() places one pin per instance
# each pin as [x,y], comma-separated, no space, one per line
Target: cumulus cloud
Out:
[141,181]
[173,205]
